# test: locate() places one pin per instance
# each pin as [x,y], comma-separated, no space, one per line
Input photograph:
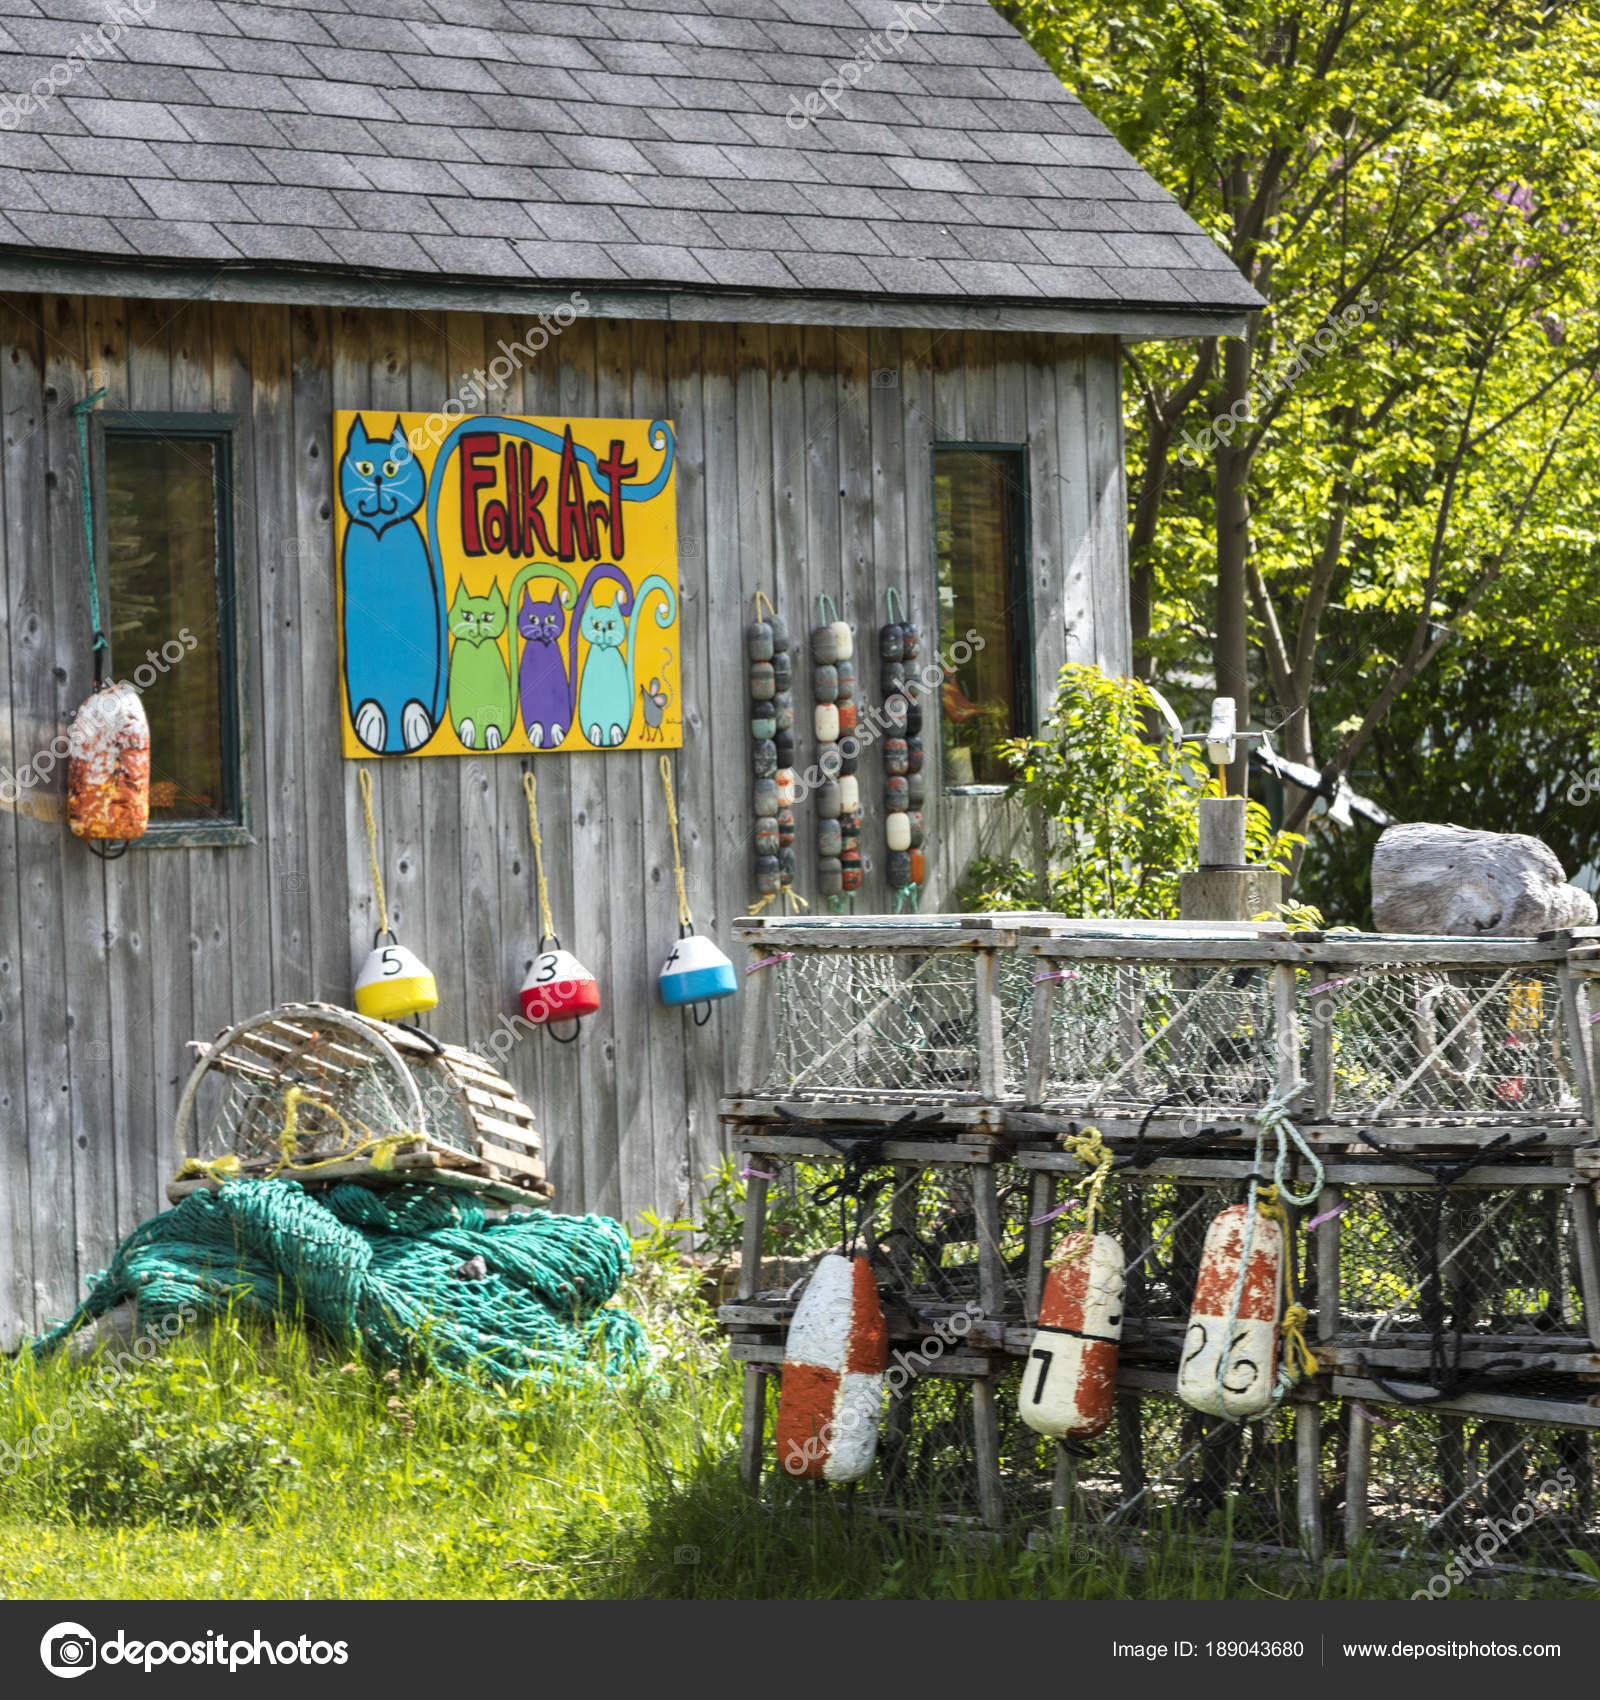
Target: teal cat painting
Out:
[482,709]
[606,693]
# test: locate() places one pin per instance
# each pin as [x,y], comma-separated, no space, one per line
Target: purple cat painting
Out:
[542,679]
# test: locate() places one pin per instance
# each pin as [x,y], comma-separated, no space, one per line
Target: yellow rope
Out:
[1298,1358]
[1092,1151]
[364,778]
[381,1147]
[760,598]
[530,785]
[677,854]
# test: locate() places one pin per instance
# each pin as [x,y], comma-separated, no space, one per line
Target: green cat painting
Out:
[482,708]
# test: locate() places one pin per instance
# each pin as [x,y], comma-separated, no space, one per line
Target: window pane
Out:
[161,553]
[978,509]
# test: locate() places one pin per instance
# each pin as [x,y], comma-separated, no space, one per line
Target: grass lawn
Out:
[242,1463]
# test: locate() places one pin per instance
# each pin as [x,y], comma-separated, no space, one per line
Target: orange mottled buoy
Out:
[108,768]
[1245,1349]
[833,1367]
[1070,1381]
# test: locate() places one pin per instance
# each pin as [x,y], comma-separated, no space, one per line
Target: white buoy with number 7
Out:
[1070,1381]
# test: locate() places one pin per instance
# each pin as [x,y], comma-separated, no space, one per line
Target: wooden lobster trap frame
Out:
[1417,1070]
[316,1093]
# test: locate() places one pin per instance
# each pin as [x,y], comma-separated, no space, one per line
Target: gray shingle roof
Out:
[657,142]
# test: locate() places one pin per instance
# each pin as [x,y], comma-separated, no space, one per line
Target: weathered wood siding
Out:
[803,466]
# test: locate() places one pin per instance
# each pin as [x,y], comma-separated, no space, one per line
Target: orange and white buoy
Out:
[1070,1380]
[108,767]
[833,1368]
[1230,1354]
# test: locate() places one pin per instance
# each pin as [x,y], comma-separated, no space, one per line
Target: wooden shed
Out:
[868,265]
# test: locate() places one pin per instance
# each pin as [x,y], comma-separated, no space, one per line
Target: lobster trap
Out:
[1438,1094]
[315,1093]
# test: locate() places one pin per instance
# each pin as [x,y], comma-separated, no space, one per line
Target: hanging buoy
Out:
[834,1360]
[394,982]
[108,766]
[1069,1383]
[1230,1354]
[696,973]
[558,988]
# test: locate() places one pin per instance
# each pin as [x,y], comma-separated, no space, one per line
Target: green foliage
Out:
[794,1224]
[170,1445]
[1120,811]
[1416,182]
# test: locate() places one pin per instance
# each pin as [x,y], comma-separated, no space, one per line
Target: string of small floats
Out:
[840,736]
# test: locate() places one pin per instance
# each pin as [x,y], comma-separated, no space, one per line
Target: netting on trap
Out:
[1507,1260]
[873,1024]
[1517,1495]
[316,1088]
[1433,1041]
[1130,1035]
[1161,1226]
[1163,1466]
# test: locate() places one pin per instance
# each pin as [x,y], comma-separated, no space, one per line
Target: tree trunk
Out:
[1231,655]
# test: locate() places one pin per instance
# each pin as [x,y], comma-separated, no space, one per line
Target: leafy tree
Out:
[1119,812]
[1407,433]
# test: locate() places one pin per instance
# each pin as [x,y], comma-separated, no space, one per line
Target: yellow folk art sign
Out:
[511,585]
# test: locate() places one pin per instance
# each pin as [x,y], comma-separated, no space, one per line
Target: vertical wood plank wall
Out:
[803,466]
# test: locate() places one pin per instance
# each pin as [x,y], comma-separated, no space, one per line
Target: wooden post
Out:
[986,1449]
[1066,1479]
[991,1261]
[1038,1083]
[991,1025]
[753,1428]
[755,1231]
[1041,1201]
[1575,1020]
[1358,1473]
[1308,1476]
[755,1045]
[1327,1256]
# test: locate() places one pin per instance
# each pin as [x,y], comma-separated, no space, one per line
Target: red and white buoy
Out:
[1070,1380]
[1234,1324]
[833,1367]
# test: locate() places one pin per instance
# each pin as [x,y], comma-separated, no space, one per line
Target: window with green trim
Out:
[985,623]
[165,495]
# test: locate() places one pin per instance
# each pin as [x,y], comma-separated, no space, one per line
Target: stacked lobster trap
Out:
[1418,1113]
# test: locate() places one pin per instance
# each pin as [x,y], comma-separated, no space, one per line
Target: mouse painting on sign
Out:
[510,587]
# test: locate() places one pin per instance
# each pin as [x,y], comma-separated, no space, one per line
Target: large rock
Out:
[1452,881]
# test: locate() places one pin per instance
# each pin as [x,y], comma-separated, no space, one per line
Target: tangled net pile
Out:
[390,1273]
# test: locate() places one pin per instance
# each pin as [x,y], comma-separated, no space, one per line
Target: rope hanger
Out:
[364,780]
[547,925]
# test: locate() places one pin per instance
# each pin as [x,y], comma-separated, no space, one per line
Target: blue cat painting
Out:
[395,628]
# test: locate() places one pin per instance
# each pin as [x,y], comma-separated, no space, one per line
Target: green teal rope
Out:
[80,414]
[378,1272]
